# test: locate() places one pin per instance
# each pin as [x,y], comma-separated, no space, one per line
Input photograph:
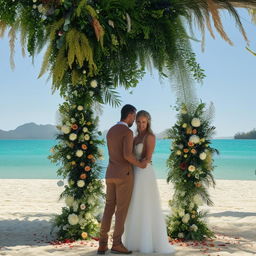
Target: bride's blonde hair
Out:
[148,116]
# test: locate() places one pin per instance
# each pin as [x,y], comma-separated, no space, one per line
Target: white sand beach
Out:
[27,207]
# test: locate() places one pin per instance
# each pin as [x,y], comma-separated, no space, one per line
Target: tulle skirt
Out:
[145,228]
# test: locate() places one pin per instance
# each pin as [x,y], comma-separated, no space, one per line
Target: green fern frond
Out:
[81,5]
[12,38]
[54,27]
[91,11]
[45,64]
[3,27]
[60,66]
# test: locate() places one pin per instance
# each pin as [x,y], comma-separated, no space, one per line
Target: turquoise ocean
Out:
[27,159]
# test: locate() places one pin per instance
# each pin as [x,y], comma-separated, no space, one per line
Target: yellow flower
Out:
[84,235]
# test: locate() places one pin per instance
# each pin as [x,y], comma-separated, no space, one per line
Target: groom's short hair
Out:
[126,110]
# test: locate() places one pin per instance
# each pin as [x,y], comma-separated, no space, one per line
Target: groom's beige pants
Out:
[118,196]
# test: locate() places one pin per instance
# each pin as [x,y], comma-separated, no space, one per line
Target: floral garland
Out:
[77,153]
[191,167]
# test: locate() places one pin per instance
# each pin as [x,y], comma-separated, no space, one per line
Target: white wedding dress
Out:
[145,228]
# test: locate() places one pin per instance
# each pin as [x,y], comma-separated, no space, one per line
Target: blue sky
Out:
[230,84]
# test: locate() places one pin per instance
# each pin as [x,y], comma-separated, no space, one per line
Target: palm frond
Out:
[111,96]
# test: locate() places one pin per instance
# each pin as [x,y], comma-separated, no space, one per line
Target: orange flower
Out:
[84,235]
[185,150]
[191,144]
[193,151]
[83,176]
[87,168]
[194,131]
[73,163]
[198,184]
[82,164]
[74,126]
[84,146]
[90,156]
[93,160]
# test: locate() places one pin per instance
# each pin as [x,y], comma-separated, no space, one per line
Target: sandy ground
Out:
[27,207]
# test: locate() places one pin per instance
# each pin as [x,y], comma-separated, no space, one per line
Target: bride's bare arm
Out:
[150,146]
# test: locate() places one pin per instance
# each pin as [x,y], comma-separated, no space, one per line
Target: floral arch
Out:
[91,48]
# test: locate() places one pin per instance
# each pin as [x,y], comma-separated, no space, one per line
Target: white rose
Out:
[198,200]
[60,183]
[203,156]
[72,136]
[65,129]
[180,235]
[82,206]
[73,120]
[181,212]
[186,218]
[194,227]
[68,157]
[80,183]
[191,168]
[75,206]
[94,84]
[80,108]
[85,129]
[196,122]
[183,111]
[91,93]
[194,139]
[73,219]
[178,152]
[86,136]
[79,153]
[69,200]
[184,125]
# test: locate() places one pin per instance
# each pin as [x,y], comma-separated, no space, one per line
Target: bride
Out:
[145,229]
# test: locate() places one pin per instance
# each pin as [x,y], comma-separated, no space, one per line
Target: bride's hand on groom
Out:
[143,163]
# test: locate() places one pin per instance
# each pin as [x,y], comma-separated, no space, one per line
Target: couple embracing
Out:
[132,193]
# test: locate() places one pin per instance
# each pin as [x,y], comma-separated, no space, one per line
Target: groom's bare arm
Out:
[128,151]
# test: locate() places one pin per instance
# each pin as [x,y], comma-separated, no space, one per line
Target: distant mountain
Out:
[162,135]
[224,138]
[30,131]
[246,135]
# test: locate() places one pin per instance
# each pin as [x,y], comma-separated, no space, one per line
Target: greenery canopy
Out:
[113,39]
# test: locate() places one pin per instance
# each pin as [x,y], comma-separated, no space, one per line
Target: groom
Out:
[119,180]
